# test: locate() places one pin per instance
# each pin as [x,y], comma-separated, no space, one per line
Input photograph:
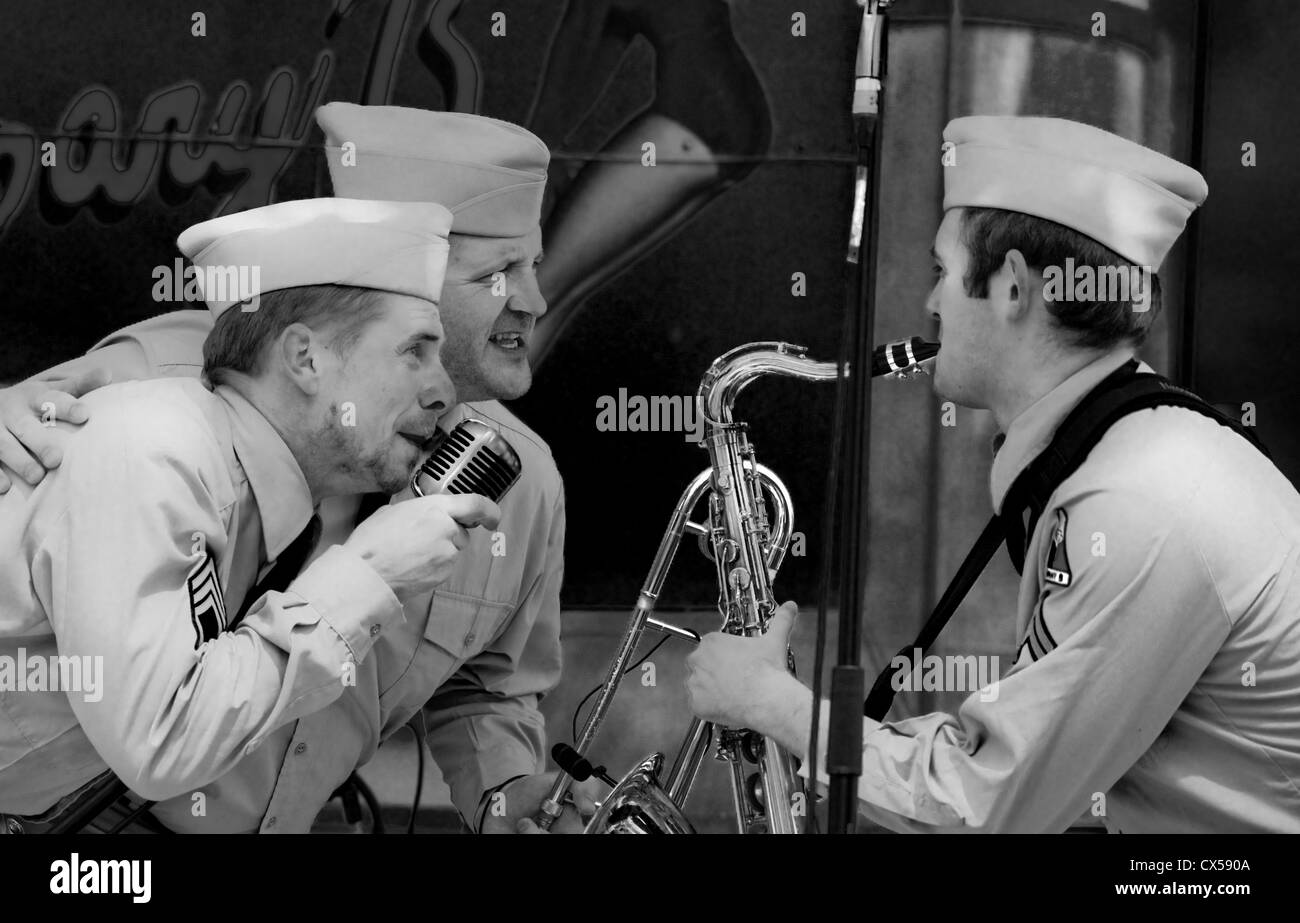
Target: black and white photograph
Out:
[734,417]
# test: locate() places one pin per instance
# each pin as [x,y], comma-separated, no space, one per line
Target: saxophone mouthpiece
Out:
[903,358]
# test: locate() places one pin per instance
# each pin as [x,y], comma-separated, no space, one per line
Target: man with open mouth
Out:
[170,544]
[483,648]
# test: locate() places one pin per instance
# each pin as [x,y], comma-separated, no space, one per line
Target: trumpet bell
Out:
[639,805]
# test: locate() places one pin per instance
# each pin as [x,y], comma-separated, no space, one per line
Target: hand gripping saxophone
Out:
[747,548]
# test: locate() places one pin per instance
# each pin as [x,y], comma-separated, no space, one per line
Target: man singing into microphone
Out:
[146,556]
[1158,684]
[483,649]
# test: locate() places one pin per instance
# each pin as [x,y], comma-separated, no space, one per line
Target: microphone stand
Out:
[848,686]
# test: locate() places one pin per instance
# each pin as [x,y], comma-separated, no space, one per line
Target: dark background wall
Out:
[1241,341]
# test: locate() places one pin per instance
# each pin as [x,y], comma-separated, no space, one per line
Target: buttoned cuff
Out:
[483,768]
[349,597]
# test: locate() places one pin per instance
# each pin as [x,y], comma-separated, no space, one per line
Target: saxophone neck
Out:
[731,372]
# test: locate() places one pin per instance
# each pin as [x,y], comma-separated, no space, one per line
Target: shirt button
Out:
[300,749]
[374,630]
[469,639]
[270,822]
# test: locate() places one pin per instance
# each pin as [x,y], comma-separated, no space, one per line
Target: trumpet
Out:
[747,549]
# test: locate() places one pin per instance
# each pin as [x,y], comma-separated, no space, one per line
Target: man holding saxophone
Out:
[1158,685]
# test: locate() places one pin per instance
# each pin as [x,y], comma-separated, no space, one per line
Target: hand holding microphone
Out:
[413,545]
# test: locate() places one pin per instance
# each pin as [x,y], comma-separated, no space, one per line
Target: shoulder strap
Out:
[1124,391]
[882,691]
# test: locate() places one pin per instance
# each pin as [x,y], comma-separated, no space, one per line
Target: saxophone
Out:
[747,548]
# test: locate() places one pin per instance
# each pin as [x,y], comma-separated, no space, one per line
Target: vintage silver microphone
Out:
[471,459]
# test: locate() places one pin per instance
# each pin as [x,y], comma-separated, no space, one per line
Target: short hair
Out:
[239,339]
[989,233]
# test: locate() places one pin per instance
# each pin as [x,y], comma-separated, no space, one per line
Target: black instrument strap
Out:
[285,568]
[881,695]
[370,504]
[1124,391]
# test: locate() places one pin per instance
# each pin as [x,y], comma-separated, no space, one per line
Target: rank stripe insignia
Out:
[1045,640]
[207,604]
[1056,573]
[1038,638]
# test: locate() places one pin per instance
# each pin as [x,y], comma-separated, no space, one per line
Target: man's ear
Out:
[1018,281]
[297,353]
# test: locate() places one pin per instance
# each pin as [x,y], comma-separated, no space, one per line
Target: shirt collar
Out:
[1031,432]
[283,498]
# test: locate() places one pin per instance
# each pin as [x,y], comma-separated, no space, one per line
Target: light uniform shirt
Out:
[132,556]
[1157,677]
[481,651]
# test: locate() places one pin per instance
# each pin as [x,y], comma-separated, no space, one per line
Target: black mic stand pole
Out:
[848,686]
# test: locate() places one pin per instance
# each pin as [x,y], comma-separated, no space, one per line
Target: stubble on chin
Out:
[390,480]
[510,383]
[382,472]
[370,471]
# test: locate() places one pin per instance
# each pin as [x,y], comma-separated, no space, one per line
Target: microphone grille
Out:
[471,459]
